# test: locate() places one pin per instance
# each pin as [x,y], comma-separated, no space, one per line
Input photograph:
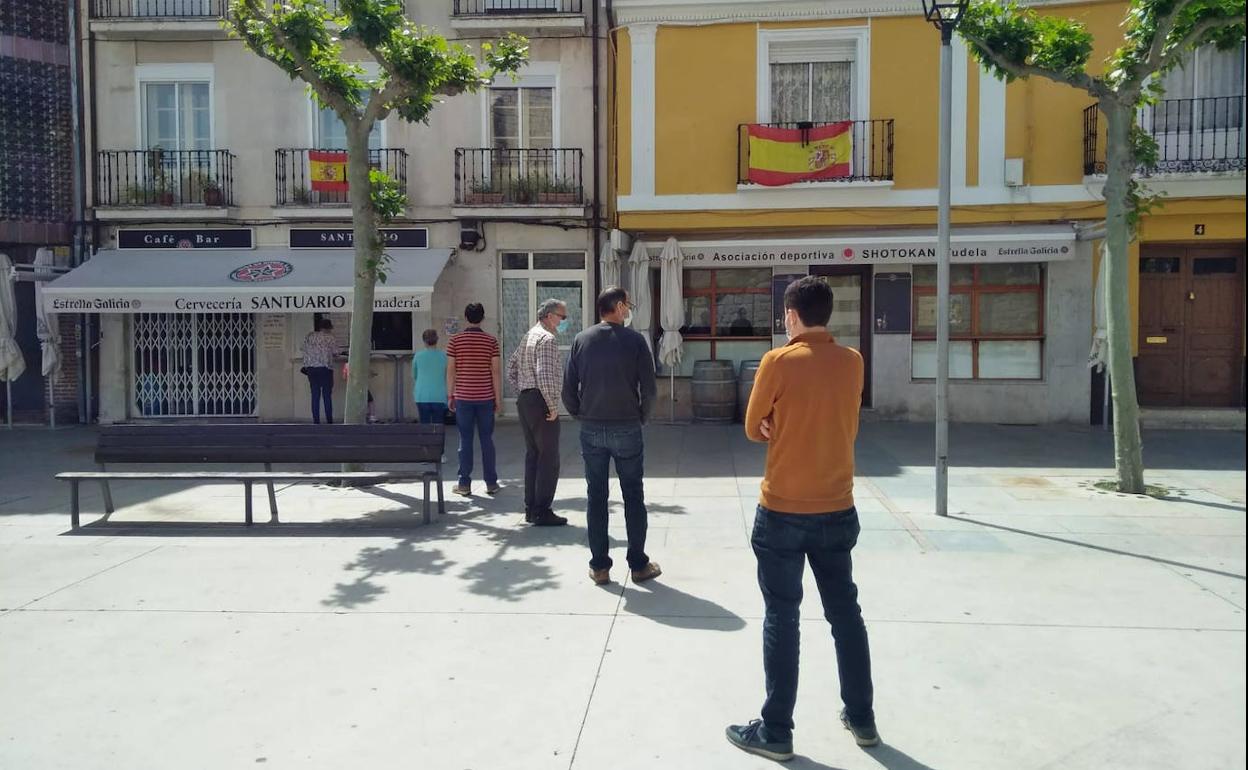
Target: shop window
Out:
[996,322]
[392,331]
[727,315]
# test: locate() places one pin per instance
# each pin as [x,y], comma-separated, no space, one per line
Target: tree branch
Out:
[1184,45]
[1165,25]
[334,99]
[1081,81]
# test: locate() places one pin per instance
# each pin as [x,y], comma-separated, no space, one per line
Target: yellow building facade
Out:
[697,89]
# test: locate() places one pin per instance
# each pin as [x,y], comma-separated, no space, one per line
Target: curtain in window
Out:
[790,93]
[176,116]
[331,133]
[830,93]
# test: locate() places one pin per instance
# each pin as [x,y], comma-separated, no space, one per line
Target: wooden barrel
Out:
[714,392]
[746,384]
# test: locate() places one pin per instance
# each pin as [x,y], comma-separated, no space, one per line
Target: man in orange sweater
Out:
[804,406]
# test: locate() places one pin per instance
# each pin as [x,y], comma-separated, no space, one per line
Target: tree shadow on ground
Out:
[670,606]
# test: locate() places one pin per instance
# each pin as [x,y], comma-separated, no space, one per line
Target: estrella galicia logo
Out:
[258,272]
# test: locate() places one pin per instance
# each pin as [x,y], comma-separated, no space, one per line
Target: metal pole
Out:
[8,401]
[942,275]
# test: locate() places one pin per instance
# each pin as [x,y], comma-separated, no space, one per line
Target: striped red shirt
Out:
[473,350]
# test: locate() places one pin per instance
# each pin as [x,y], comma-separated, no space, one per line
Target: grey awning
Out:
[259,281]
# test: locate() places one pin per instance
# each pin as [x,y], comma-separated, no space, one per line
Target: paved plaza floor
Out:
[1043,625]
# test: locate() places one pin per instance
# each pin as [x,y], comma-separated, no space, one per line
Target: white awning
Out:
[244,281]
[1008,243]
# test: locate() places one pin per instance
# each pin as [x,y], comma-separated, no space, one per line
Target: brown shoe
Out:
[600,576]
[648,572]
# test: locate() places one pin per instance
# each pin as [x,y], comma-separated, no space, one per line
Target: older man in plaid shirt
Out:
[535,371]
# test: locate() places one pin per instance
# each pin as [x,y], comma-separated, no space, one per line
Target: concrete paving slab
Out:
[36,570]
[212,691]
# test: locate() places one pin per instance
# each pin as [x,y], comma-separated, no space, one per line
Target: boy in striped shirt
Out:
[474,386]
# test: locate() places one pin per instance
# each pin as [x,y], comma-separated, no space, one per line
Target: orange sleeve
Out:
[762,397]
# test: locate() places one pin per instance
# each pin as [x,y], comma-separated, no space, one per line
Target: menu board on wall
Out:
[892,303]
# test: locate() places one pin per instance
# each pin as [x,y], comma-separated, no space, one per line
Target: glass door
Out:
[529,279]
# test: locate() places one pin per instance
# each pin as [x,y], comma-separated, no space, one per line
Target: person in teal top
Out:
[429,376]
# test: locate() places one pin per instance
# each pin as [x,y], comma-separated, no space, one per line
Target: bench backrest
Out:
[270,443]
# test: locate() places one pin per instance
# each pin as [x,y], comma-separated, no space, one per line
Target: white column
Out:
[642,39]
[115,374]
[959,114]
[991,130]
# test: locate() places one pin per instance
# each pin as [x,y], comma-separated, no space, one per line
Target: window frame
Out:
[145,74]
[836,41]
[974,289]
[535,75]
[712,293]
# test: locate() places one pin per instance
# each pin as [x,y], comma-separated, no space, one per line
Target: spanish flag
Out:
[328,170]
[780,156]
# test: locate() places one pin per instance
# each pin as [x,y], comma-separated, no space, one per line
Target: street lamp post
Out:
[945,15]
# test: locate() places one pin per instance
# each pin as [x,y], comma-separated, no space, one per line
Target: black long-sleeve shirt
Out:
[609,376]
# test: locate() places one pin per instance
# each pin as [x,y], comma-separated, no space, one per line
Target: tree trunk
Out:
[1120,165]
[367,253]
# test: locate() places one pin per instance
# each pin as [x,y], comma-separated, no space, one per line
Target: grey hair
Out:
[548,307]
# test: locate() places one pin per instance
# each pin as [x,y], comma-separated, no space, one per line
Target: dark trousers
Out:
[600,444]
[476,417]
[783,543]
[431,413]
[541,455]
[321,380]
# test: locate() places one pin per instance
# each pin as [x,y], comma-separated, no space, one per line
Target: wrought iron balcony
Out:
[1193,136]
[500,177]
[157,9]
[156,177]
[870,152]
[468,8]
[294,176]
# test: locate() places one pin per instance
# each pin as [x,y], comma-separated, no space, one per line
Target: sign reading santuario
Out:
[185,238]
[344,238]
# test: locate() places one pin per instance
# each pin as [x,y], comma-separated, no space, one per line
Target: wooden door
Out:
[1215,312]
[1191,319]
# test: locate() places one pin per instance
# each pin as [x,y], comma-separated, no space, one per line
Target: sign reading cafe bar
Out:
[222,238]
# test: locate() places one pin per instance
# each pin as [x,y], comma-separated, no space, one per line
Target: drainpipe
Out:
[79,192]
[596,222]
[89,143]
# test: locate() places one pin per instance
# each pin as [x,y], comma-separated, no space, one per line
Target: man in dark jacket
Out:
[609,386]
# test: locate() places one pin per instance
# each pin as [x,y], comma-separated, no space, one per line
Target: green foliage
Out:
[1004,34]
[388,197]
[307,40]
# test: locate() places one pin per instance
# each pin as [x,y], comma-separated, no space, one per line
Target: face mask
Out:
[788,329]
[628,320]
[563,326]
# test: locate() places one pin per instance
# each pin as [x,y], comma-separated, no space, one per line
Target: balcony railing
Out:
[294,176]
[157,9]
[498,177]
[1193,136]
[871,150]
[148,178]
[517,7]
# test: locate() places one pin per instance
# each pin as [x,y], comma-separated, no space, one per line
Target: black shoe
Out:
[549,519]
[749,738]
[493,489]
[864,735]
[530,517]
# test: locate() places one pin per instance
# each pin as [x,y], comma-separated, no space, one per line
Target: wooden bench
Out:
[264,444]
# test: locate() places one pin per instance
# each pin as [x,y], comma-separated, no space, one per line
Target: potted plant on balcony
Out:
[301,196]
[524,189]
[163,186]
[205,188]
[481,192]
[559,192]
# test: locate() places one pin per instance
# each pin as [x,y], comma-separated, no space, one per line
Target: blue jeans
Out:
[783,543]
[600,444]
[321,381]
[431,413]
[478,417]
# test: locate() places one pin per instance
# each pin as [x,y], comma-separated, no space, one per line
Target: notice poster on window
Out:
[892,304]
[778,284]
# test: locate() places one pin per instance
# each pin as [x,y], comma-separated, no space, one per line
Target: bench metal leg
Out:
[272,495]
[428,515]
[73,503]
[247,501]
[441,502]
[108,493]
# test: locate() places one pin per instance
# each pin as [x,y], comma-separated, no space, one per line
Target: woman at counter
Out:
[429,380]
[319,350]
